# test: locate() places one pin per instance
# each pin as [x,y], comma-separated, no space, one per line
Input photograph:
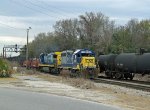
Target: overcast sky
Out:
[17,15]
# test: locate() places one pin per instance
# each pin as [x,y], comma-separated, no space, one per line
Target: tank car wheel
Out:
[126,76]
[109,74]
[131,76]
[118,75]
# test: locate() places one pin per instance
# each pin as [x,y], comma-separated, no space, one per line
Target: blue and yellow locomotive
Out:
[52,61]
[80,62]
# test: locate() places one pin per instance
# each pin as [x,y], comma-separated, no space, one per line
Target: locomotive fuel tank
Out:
[143,63]
[126,62]
[106,62]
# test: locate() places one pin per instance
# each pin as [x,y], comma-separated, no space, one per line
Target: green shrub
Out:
[5,69]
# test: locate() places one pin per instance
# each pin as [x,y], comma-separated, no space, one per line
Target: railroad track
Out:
[129,84]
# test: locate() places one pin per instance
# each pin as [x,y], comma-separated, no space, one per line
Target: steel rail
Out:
[134,85]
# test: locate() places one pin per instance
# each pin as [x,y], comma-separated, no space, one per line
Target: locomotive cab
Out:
[84,58]
[54,60]
[57,58]
[84,61]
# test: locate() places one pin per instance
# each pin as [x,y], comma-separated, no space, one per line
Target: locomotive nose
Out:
[88,62]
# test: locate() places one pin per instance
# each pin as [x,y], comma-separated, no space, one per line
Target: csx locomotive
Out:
[79,62]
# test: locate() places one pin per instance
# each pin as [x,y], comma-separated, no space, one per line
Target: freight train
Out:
[78,63]
[124,65]
[83,62]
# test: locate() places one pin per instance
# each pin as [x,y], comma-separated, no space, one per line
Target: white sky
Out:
[17,15]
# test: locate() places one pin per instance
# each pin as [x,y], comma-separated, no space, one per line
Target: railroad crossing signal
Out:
[13,48]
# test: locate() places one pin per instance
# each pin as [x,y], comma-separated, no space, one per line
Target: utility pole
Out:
[27,47]
[4,52]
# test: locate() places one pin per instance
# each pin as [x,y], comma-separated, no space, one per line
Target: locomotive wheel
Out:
[50,71]
[55,71]
[95,73]
[88,74]
[118,75]
[74,73]
[40,69]
[91,74]
[58,71]
[84,74]
[65,73]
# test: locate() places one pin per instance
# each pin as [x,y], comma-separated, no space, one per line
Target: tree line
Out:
[93,31]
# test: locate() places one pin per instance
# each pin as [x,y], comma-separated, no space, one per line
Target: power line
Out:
[33,9]
[36,10]
[57,10]
[51,6]
[11,26]
[18,3]
[32,3]
[61,10]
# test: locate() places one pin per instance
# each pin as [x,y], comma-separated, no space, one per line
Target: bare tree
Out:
[96,30]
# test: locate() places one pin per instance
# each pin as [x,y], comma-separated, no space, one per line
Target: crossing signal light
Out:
[16,48]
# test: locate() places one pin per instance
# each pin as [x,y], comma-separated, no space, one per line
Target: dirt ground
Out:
[125,98]
[142,78]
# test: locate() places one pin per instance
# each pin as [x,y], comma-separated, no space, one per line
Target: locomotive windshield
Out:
[54,56]
[87,54]
[63,54]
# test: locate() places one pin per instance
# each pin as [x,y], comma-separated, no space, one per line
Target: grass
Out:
[64,77]
[8,79]
[80,83]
